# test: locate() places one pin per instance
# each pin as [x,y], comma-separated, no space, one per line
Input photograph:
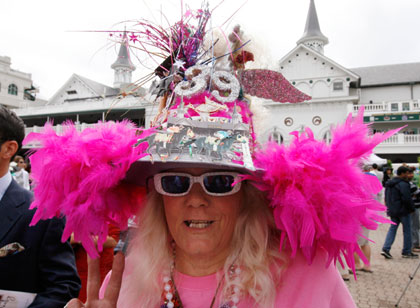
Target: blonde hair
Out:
[255,249]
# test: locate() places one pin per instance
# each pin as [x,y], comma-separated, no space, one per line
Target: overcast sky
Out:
[42,37]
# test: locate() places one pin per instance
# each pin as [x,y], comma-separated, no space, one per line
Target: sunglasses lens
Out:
[175,184]
[219,184]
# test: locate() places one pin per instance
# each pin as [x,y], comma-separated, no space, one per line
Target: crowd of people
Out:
[402,198]
[401,195]
[403,206]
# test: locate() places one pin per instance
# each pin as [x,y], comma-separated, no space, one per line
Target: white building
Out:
[16,88]
[85,102]
[390,93]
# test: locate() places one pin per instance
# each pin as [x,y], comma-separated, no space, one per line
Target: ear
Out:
[8,149]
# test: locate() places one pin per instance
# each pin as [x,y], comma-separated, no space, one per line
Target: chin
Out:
[200,249]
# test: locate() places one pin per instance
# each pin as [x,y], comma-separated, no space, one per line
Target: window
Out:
[394,107]
[406,106]
[13,90]
[70,92]
[276,137]
[327,137]
[338,86]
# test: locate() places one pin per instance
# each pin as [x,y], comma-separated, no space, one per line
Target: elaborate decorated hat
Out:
[97,176]
[205,119]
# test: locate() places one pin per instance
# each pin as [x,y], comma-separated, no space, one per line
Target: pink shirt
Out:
[303,286]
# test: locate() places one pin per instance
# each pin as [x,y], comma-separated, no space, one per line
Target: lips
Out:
[198,224]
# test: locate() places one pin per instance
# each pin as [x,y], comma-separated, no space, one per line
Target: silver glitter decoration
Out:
[198,71]
[225,82]
[197,79]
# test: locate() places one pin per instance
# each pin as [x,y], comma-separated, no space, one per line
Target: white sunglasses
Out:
[179,184]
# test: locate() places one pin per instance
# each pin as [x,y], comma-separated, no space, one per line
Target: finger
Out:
[93,279]
[114,285]
[74,303]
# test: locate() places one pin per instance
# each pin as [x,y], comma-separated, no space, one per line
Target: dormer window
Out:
[12,90]
[338,86]
[71,92]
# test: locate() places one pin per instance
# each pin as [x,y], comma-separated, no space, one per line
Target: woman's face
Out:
[200,224]
[21,164]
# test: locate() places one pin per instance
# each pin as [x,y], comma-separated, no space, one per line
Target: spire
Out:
[313,37]
[123,65]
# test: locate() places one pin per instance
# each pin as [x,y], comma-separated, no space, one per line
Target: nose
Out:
[197,197]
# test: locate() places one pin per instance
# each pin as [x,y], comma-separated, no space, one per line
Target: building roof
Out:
[123,59]
[388,74]
[312,29]
[99,88]
[320,56]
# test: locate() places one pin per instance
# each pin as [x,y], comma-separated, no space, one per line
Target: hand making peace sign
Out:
[94,283]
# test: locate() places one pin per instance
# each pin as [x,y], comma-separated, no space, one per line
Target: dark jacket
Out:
[46,266]
[398,197]
[415,194]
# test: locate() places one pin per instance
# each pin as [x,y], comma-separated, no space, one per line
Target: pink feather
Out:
[320,197]
[78,175]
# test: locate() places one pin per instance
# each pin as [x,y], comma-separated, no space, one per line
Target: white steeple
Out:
[313,37]
[123,66]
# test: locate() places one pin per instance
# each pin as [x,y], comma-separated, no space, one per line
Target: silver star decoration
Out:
[178,64]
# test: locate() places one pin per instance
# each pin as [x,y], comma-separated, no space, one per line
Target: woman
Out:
[209,240]
[206,239]
[21,175]
[388,174]
[225,223]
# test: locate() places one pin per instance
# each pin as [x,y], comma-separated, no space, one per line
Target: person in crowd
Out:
[28,169]
[380,176]
[344,271]
[221,221]
[416,176]
[32,259]
[399,207]
[388,174]
[415,216]
[363,241]
[21,176]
